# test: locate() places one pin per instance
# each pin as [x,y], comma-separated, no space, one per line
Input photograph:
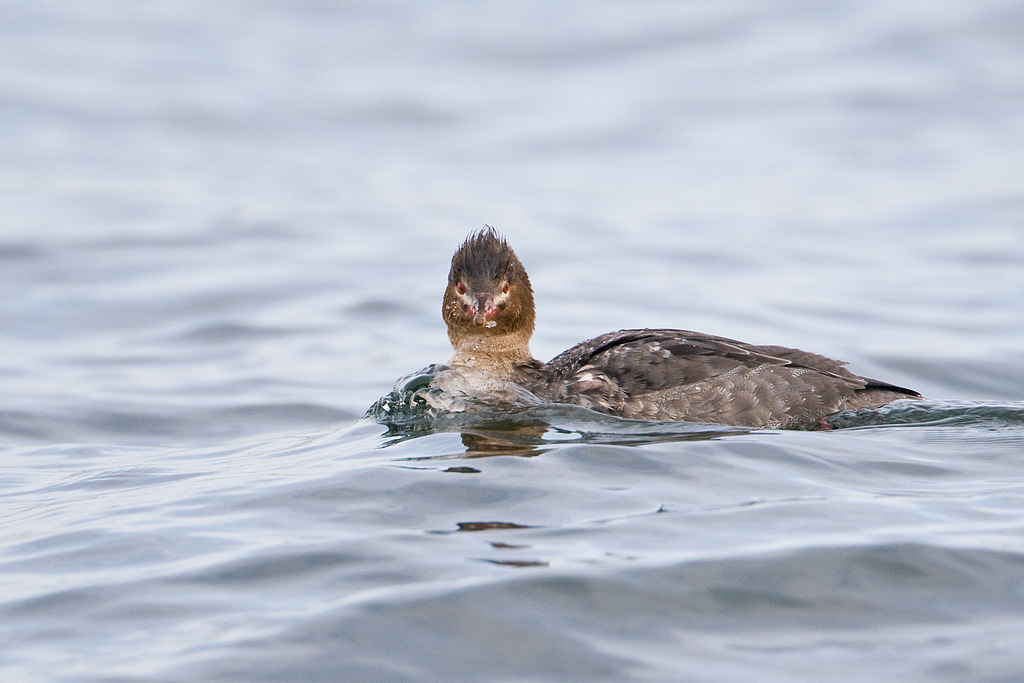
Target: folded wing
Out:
[683,375]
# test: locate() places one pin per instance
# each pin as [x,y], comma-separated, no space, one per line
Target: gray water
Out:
[224,234]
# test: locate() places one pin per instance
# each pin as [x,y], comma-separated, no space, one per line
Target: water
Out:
[225,231]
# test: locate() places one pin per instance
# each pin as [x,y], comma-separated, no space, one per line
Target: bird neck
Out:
[501,354]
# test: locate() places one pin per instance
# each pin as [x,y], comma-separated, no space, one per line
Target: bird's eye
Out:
[461,288]
[504,287]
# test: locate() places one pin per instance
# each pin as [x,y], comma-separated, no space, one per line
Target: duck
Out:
[643,374]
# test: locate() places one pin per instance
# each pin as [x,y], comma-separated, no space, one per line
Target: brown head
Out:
[488,303]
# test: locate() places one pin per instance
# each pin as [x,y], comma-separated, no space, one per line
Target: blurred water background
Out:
[224,233]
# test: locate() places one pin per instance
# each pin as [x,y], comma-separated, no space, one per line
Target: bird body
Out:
[650,374]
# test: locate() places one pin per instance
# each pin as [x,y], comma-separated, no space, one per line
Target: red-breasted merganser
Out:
[640,374]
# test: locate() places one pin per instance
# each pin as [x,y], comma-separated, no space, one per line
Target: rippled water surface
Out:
[224,234]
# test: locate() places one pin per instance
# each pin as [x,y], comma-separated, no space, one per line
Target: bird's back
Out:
[683,375]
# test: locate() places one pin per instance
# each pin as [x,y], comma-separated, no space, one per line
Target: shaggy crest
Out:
[485,257]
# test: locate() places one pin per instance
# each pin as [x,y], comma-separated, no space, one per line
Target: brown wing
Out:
[683,375]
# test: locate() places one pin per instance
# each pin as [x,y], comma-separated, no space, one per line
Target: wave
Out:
[419,404]
[934,413]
